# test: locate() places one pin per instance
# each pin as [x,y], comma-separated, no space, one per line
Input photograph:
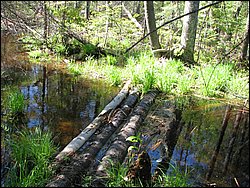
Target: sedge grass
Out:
[30,154]
[169,76]
[14,101]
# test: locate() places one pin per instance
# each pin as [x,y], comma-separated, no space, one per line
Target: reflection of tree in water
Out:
[88,114]
[206,141]
[223,128]
[236,142]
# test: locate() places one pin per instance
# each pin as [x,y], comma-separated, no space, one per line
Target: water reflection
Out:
[214,143]
[55,100]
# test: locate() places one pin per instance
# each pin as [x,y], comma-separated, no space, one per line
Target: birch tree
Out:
[189,31]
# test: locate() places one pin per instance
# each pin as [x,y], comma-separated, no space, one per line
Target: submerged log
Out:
[118,150]
[72,173]
[78,141]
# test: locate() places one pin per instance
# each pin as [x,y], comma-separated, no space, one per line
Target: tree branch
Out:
[212,4]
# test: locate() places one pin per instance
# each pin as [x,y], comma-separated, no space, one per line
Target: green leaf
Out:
[133,139]
[132,147]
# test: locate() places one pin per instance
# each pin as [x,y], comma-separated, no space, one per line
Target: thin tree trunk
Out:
[138,8]
[131,17]
[245,46]
[87,12]
[151,25]
[189,28]
[107,24]
[45,24]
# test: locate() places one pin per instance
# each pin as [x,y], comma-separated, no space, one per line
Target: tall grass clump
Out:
[114,75]
[238,85]
[172,77]
[117,174]
[176,178]
[13,106]
[140,68]
[30,154]
[213,80]
[15,101]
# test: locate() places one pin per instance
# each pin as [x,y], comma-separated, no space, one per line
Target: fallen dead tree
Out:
[118,150]
[78,141]
[71,173]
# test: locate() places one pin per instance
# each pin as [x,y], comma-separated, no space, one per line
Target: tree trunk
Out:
[118,149]
[138,8]
[45,24]
[107,24]
[151,25]
[87,10]
[243,56]
[189,31]
[131,17]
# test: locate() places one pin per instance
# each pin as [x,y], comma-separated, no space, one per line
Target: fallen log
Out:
[78,141]
[72,173]
[132,18]
[118,150]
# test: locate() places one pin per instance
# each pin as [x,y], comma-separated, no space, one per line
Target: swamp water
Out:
[213,152]
[55,99]
[65,104]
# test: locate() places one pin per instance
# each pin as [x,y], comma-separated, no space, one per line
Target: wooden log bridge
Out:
[120,119]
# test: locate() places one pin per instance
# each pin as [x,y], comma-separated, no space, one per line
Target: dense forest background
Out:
[82,30]
[116,25]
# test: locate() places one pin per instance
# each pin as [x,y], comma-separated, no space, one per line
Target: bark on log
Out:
[78,141]
[118,150]
[72,173]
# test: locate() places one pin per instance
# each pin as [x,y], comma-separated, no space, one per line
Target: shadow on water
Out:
[214,143]
[206,139]
[56,100]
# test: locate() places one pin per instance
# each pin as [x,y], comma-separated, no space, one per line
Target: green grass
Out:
[169,76]
[30,154]
[176,178]
[116,178]
[14,101]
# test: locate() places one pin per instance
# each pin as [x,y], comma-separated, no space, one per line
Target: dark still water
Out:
[214,143]
[55,99]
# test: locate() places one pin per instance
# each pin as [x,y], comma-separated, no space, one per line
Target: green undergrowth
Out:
[31,152]
[167,75]
[116,177]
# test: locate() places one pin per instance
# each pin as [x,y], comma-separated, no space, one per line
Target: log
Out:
[78,141]
[118,150]
[72,173]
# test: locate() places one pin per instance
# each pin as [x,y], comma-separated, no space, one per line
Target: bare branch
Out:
[212,4]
